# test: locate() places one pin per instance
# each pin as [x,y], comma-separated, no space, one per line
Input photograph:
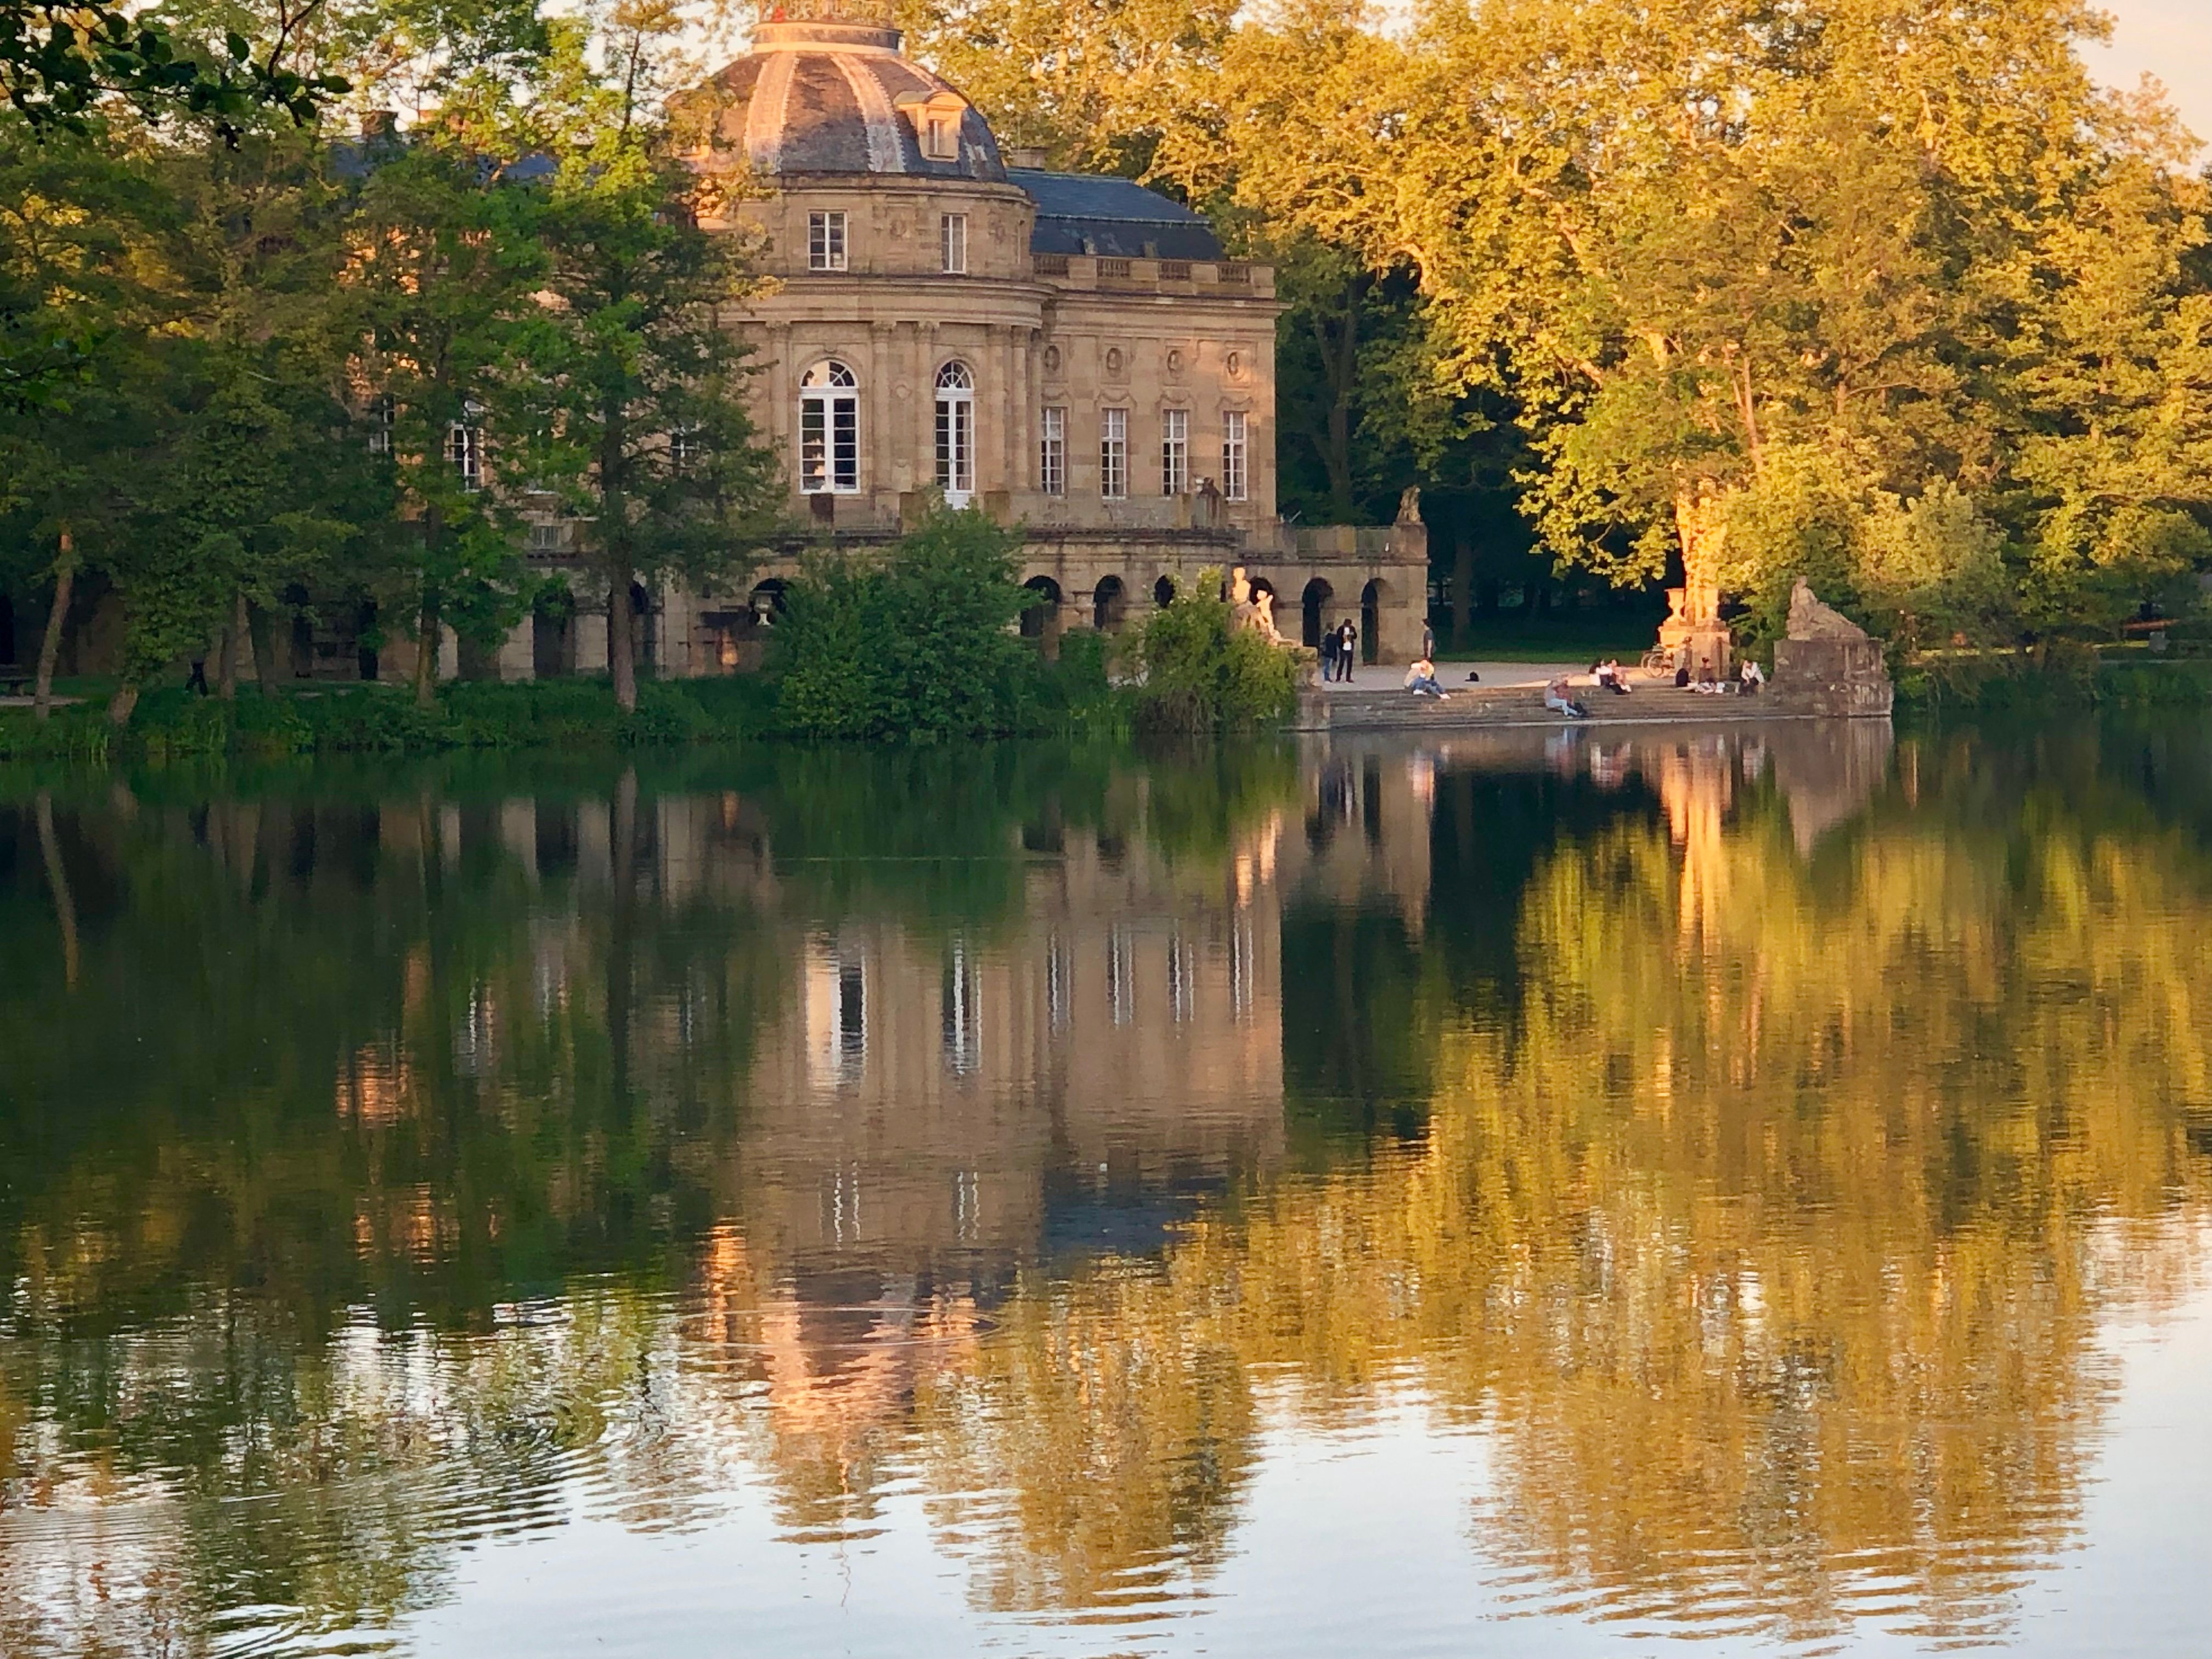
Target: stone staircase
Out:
[1350,708]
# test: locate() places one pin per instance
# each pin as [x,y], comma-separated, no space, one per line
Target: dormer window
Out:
[936,120]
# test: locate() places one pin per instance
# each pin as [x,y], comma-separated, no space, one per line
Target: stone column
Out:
[591,627]
[998,406]
[781,414]
[920,424]
[879,472]
[518,653]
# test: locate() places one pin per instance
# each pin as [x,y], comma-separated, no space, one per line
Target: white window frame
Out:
[1235,454]
[383,416]
[1175,452]
[952,243]
[1113,454]
[464,446]
[956,434]
[830,430]
[1052,451]
[826,243]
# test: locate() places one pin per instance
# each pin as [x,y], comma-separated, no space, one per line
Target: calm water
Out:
[1519,1197]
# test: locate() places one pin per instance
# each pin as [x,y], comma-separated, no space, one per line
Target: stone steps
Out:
[1361,710]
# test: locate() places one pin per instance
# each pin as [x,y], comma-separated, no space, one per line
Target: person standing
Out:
[1428,640]
[1329,641]
[1347,647]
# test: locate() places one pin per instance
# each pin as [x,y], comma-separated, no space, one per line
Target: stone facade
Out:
[1069,354]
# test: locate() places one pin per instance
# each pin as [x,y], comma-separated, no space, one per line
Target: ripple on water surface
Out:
[1393,1200]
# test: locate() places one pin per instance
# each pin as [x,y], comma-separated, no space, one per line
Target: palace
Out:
[1071,353]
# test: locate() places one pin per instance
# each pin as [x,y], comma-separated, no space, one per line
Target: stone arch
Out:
[553,632]
[1110,603]
[1164,592]
[1314,602]
[1041,622]
[1372,600]
[646,618]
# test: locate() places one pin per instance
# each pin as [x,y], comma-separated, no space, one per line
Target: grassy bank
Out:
[1585,636]
[568,714]
[2120,678]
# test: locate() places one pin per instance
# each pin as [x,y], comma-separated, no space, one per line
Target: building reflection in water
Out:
[1746,1137]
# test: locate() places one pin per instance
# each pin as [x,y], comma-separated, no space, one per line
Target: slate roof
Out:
[1082,212]
[821,109]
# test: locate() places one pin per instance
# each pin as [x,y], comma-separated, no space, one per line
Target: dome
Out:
[832,96]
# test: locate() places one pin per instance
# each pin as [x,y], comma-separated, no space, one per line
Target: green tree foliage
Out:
[60,61]
[629,385]
[918,643]
[1203,673]
[443,271]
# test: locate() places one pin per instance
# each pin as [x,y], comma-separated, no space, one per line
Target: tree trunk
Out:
[58,883]
[234,647]
[50,648]
[264,649]
[428,636]
[120,705]
[622,640]
[1701,522]
[1462,587]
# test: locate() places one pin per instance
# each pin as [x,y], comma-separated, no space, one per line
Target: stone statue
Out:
[1809,619]
[1263,617]
[1827,665]
[1240,590]
[1409,505]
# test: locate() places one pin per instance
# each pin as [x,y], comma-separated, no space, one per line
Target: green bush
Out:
[1203,674]
[917,642]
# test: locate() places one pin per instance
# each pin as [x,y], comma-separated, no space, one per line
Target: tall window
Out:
[464,445]
[828,430]
[383,414]
[956,433]
[1052,454]
[685,445]
[1113,454]
[1234,453]
[825,241]
[952,241]
[1175,450]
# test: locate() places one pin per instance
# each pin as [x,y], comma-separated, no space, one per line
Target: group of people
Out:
[1609,676]
[1339,649]
[1748,677]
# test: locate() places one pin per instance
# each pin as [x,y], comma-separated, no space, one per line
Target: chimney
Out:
[1029,157]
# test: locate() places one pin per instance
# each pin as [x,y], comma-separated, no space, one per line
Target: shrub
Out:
[1203,674]
[917,641]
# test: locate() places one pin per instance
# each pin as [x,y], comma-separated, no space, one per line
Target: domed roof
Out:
[837,97]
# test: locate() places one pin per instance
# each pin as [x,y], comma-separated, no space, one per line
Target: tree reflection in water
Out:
[1748,1141]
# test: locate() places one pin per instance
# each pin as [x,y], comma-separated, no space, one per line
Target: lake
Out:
[1560,1193]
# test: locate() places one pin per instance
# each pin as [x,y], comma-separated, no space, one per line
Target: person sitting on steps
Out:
[1421,680]
[1557,699]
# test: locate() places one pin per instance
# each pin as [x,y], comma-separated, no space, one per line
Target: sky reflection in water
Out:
[1557,1194]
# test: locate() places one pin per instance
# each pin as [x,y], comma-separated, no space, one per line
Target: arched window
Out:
[828,430]
[956,433]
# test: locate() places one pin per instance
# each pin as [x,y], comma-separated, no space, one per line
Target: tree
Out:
[628,383]
[59,62]
[443,269]
[1097,85]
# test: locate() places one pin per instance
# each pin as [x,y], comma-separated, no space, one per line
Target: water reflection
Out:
[1737,1146]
